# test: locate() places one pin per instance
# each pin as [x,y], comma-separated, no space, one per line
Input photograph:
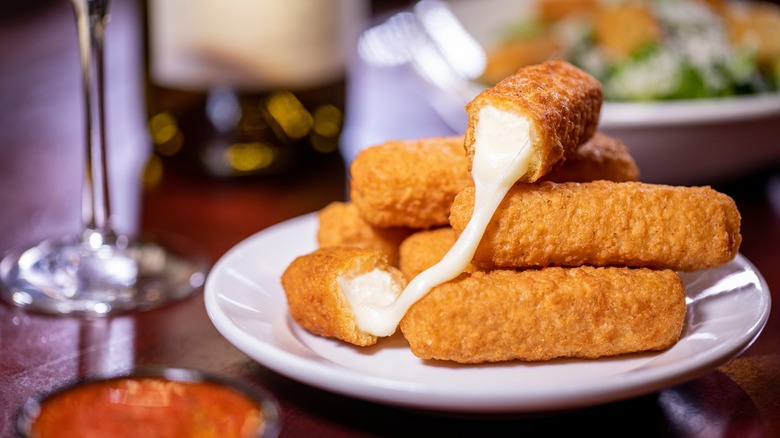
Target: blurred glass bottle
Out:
[247,87]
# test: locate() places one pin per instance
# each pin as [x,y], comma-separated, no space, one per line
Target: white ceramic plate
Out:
[727,309]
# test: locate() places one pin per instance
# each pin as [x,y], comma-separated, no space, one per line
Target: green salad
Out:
[687,51]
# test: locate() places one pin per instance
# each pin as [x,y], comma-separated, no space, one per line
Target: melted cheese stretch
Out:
[501,156]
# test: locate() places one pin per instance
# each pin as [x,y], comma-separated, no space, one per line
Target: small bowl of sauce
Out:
[166,402]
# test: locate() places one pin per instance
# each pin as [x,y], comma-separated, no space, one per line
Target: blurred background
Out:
[219,96]
[256,94]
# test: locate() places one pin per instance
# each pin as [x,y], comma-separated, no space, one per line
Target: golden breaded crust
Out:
[340,224]
[561,102]
[600,158]
[605,223]
[409,183]
[412,184]
[315,298]
[424,249]
[536,315]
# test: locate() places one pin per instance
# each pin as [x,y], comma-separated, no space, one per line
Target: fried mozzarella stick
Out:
[409,183]
[605,223]
[535,118]
[413,183]
[340,224]
[535,315]
[541,114]
[424,249]
[317,287]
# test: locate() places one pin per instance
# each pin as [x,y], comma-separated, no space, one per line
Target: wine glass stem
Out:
[91,18]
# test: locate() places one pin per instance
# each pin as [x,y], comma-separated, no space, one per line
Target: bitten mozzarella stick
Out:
[536,315]
[341,225]
[409,183]
[545,110]
[317,285]
[604,223]
[424,249]
[413,183]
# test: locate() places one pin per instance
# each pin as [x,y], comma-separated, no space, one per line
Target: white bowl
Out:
[699,141]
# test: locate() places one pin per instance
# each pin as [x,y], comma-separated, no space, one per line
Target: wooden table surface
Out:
[39,188]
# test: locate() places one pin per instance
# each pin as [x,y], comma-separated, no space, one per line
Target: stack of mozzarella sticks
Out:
[579,260]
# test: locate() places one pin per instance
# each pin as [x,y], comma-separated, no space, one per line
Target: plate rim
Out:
[421,397]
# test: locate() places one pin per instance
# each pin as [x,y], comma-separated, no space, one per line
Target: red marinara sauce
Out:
[149,407]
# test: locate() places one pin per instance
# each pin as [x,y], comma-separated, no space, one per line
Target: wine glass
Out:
[98,271]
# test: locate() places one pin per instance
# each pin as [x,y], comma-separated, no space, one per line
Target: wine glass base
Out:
[94,275]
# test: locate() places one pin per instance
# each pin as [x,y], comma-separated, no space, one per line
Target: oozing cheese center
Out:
[501,156]
[374,288]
